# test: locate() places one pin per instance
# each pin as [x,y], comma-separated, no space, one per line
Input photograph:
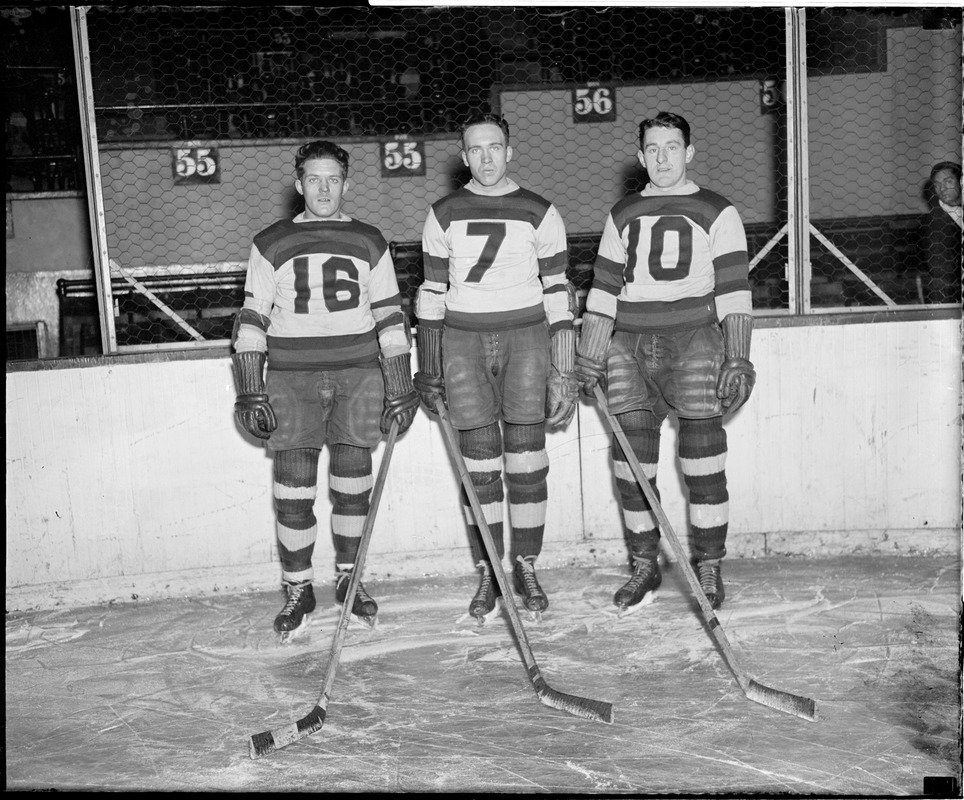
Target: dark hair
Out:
[320,149]
[664,119]
[484,118]
[950,166]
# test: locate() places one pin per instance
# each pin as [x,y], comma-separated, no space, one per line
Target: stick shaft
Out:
[266,742]
[669,535]
[789,703]
[366,535]
[452,444]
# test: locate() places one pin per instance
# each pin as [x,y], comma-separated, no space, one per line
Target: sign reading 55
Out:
[594,103]
[195,165]
[402,159]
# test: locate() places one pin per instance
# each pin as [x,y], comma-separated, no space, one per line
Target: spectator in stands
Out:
[496,345]
[667,328]
[941,235]
[322,308]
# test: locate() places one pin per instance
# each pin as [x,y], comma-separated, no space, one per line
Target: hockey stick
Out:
[597,710]
[263,743]
[774,698]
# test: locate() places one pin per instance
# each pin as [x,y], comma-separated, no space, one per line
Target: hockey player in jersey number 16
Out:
[322,308]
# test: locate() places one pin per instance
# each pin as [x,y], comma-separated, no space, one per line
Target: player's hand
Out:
[736,382]
[255,414]
[401,410]
[431,389]
[562,391]
[590,373]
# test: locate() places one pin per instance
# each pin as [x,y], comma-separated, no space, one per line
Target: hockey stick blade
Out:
[788,703]
[268,741]
[263,743]
[596,710]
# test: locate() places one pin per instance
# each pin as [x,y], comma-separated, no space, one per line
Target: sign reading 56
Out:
[402,159]
[594,103]
[195,165]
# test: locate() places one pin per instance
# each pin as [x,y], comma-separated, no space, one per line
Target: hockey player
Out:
[496,344]
[322,307]
[667,329]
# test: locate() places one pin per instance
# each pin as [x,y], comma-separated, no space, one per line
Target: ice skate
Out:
[364,607]
[639,590]
[294,616]
[484,605]
[526,583]
[711,581]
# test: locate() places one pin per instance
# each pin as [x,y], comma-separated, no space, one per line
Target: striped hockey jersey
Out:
[321,294]
[671,260]
[494,261]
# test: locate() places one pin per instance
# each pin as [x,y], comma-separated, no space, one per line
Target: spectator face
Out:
[323,186]
[486,154]
[947,187]
[665,157]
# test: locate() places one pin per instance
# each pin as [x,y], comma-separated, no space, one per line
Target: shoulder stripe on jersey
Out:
[521,205]
[702,208]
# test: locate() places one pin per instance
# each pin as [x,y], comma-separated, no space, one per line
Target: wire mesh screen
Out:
[199,112]
[884,106]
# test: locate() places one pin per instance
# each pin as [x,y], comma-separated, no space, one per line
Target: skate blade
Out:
[288,637]
[496,610]
[648,599]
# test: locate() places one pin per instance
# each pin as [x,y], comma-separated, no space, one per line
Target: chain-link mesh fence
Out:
[199,112]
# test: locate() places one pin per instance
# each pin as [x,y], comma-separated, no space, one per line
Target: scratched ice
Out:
[164,696]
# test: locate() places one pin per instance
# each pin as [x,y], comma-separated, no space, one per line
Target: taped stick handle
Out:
[670,535]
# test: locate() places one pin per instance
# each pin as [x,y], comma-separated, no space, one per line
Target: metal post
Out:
[798,177]
[95,189]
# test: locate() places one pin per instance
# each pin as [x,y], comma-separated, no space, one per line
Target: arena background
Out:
[126,475]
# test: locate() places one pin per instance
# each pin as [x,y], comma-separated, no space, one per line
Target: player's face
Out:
[665,157]
[486,154]
[323,188]
[947,187]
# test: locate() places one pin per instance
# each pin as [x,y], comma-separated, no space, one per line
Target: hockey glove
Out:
[252,407]
[401,400]
[562,388]
[737,376]
[591,352]
[428,380]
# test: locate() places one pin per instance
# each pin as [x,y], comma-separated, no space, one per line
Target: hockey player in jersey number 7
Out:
[496,344]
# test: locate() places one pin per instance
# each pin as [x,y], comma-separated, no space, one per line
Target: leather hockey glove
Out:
[252,407]
[591,352]
[428,380]
[737,376]
[562,387]
[401,400]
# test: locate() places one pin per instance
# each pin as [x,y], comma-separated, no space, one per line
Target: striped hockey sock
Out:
[295,489]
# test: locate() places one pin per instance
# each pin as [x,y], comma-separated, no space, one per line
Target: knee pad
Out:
[702,453]
[350,476]
[295,487]
[526,461]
